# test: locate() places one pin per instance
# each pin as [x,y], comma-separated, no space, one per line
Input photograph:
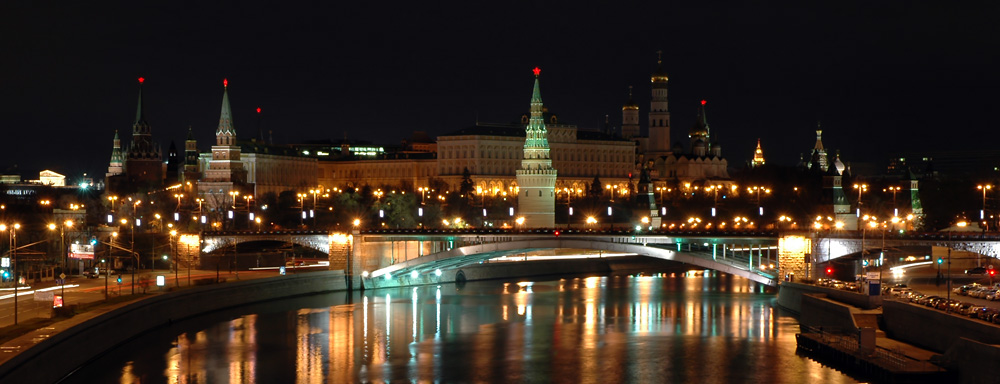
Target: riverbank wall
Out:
[968,346]
[790,296]
[61,353]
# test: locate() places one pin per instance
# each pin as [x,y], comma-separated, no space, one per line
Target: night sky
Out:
[882,76]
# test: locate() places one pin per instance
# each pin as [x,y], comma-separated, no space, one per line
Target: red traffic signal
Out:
[556,232]
[992,272]
[829,270]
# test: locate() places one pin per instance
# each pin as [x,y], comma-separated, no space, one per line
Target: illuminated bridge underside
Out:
[400,274]
[833,248]
[319,241]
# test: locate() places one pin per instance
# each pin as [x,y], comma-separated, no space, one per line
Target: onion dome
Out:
[630,104]
[660,75]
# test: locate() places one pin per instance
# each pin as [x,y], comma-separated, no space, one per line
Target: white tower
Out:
[536,179]
[659,114]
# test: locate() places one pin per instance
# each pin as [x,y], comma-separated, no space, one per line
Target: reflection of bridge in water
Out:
[405,257]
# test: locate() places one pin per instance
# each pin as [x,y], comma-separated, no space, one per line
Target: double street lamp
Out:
[62,247]
[982,213]
[13,260]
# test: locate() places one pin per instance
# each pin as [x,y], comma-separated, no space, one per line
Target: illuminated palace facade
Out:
[493,154]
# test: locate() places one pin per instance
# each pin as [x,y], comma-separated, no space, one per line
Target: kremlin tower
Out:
[536,179]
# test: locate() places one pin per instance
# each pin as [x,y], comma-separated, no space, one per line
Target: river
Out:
[689,328]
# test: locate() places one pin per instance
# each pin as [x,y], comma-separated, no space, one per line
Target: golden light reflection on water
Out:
[594,329]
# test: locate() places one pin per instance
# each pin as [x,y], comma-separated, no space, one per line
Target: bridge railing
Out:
[735,259]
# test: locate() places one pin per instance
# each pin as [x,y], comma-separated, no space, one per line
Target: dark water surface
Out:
[695,329]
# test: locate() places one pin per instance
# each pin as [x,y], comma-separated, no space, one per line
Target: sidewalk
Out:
[42,327]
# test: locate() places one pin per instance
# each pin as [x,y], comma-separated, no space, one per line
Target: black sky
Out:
[882,76]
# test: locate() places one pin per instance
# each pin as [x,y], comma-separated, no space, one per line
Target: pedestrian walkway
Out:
[89,299]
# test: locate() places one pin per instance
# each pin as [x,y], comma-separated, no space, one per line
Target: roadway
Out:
[80,290]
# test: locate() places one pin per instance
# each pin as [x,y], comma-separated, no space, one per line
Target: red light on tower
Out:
[258,109]
[536,71]
[141,79]
[703,102]
[225,82]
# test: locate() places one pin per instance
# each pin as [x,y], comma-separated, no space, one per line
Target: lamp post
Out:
[315,211]
[13,260]
[178,196]
[893,189]
[861,189]
[982,213]
[757,190]
[173,254]
[62,246]
[302,208]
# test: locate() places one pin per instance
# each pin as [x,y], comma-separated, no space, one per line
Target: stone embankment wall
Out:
[790,296]
[934,329]
[818,311]
[53,358]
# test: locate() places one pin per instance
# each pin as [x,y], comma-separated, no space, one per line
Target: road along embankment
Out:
[59,354]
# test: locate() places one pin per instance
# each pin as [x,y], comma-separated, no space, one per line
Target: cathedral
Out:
[701,162]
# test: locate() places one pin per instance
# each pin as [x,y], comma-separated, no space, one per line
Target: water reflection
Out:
[704,328]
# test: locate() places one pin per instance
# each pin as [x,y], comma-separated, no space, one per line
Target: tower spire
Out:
[115,167]
[140,117]
[536,179]
[225,134]
[758,156]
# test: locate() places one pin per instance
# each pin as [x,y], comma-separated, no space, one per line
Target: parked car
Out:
[975,271]
[987,314]
[90,274]
[898,292]
[994,295]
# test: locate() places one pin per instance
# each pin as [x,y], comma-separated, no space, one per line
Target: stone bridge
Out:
[405,257]
[318,240]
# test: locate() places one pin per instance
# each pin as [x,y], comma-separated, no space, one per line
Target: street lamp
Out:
[893,189]
[13,260]
[315,211]
[302,208]
[982,213]
[62,246]
[861,189]
[757,190]
[173,253]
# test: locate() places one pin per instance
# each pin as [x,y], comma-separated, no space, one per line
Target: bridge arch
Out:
[317,240]
[428,269]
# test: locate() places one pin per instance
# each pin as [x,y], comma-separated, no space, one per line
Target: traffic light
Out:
[119,279]
[556,232]
[864,262]
[992,272]
[93,241]
[829,271]
[940,261]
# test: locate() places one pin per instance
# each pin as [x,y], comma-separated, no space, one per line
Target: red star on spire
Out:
[536,71]
[225,82]
[141,80]
[703,102]
[258,109]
